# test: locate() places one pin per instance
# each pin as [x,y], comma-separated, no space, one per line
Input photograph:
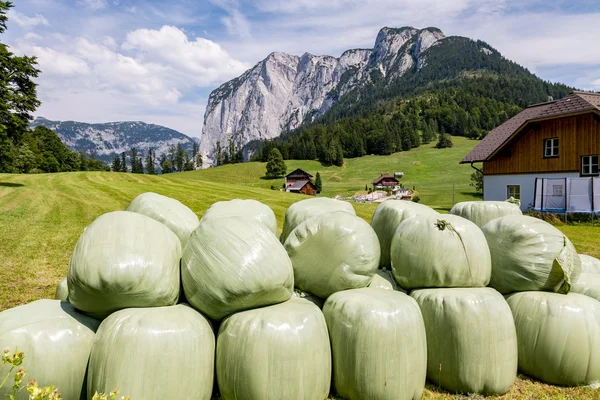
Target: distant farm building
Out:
[546,156]
[300,181]
[385,181]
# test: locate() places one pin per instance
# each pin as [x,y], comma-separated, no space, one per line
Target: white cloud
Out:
[150,76]
[235,22]
[25,21]
[94,4]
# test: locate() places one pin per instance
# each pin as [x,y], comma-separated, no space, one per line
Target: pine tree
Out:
[179,158]
[198,159]
[116,164]
[219,158]
[150,159]
[188,164]
[444,141]
[275,166]
[123,162]
[83,161]
[318,183]
[165,164]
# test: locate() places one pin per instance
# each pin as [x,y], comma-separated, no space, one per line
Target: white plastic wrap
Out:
[243,208]
[305,209]
[482,212]
[588,284]
[383,279]
[589,264]
[386,219]
[62,290]
[123,260]
[378,344]
[558,336]
[175,215]
[154,353]
[332,252]
[276,352]
[471,339]
[530,254]
[56,341]
[317,301]
[233,264]
[440,251]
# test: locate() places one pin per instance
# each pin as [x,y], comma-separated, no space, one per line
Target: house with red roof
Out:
[546,156]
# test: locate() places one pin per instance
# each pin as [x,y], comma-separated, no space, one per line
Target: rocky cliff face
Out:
[107,140]
[283,91]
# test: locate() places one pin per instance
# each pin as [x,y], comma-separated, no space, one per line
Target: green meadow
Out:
[42,216]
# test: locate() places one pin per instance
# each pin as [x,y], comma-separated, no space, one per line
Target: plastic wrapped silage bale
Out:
[440,251]
[559,337]
[62,290]
[243,208]
[378,344]
[332,252]
[276,352]
[589,264]
[482,212]
[174,214]
[383,279]
[471,339]
[154,353]
[123,260]
[56,341]
[386,219]
[588,284]
[233,264]
[530,254]
[305,209]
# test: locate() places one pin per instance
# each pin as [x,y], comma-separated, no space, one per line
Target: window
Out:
[551,147]
[557,190]
[589,165]
[513,191]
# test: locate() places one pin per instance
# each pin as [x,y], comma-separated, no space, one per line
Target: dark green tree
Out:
[18,97]
[477,181]
[123,162]
[444,141]
[188,164]
[318,183]
[150,160]
[25,160]
[137,166]
[179,158]
[198,160]
[219,157]
[275,166]
[116,164]
[165,164]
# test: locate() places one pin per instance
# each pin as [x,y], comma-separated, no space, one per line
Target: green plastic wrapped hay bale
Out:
[378,344]
[482,212]
[56,341]
[62,290]
[440,251]
[154,353]
[471,339]
[123,260]
[332,252]
[559,337]
[588,284]
[175,215]
[589,264]
[233,264]
[386,219]
[276,352]
[305,209]
[317,301]
[243,208]
[530,254]
[383,279]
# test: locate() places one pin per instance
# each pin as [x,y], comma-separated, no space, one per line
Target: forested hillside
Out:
[463,88]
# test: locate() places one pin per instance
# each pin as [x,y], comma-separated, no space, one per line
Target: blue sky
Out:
[157,61]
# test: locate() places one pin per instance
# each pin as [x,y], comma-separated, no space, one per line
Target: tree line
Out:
[176,159]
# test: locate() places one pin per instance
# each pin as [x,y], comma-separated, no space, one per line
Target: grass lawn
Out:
[42,216]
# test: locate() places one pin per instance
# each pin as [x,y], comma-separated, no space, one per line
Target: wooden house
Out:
[385,181]
[546,156]
[300,181]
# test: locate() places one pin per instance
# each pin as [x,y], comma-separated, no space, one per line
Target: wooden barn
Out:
[546,156]
[385,181]
[300,181]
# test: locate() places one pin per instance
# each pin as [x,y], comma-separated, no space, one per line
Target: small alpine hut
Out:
[300,181]
[385,181]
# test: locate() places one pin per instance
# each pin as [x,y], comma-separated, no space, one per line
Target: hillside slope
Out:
[107,140]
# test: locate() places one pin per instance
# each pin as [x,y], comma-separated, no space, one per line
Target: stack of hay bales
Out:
[471,338]
[558,332]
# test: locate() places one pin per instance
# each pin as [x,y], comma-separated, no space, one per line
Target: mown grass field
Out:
[42,216]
